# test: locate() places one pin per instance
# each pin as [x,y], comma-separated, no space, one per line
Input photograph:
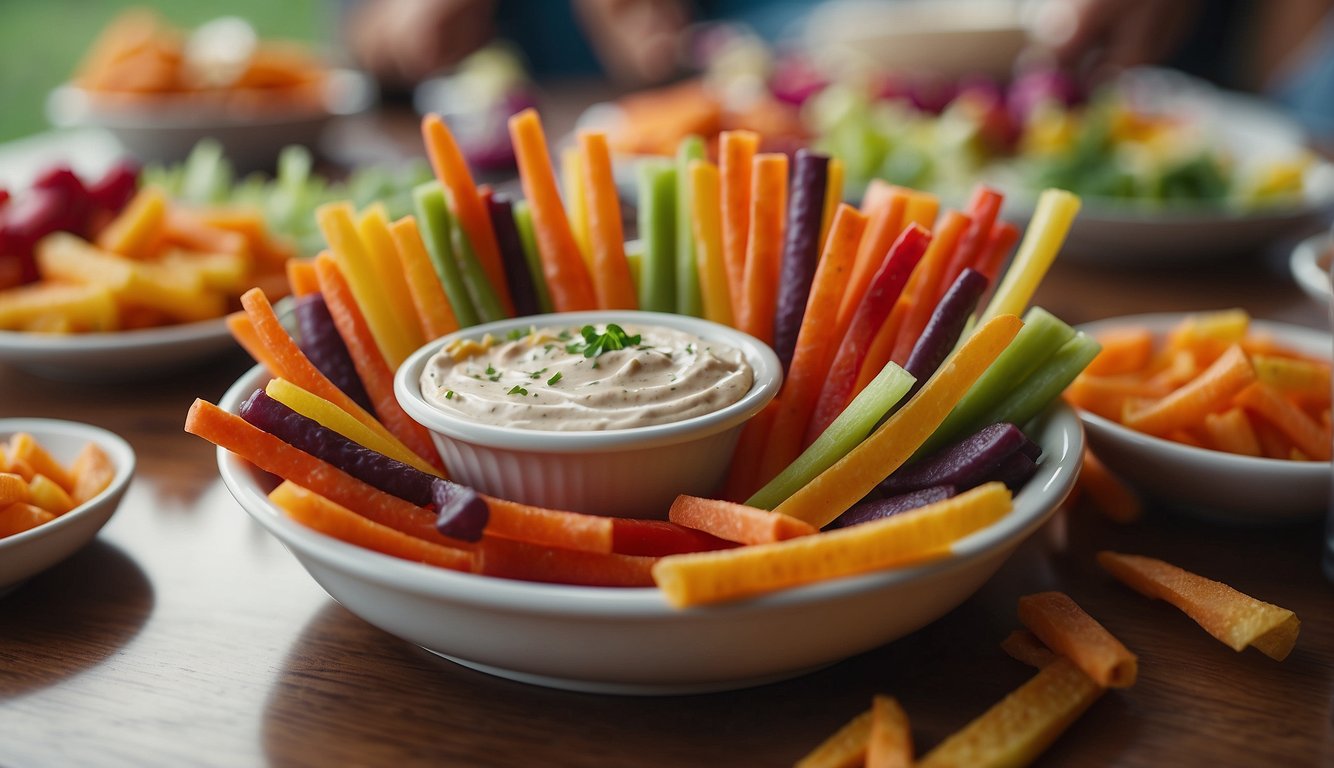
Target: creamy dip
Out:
[578,379]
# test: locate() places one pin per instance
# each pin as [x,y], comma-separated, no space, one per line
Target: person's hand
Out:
[1098,38]
[402,42]
[637,41]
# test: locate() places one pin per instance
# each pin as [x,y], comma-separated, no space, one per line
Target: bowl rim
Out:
[1299,336]
[15,342]
[768,377]
[1034,504]
[116,447]
[1305,266]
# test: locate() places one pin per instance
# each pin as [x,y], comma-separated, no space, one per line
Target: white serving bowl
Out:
[634,472]
[116,355]
[1209,484]
[28,553]
[166,129]
[630,641]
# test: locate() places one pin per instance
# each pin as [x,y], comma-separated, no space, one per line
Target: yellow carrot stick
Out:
[434,313]
[373,227]
[845,483]
[921,209]
[924,534]
[354,260]
[1051,221]
[833,195]
[138,227]
[317,409]
[890,742]
[706,219]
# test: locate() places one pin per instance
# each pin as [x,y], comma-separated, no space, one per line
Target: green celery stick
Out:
[1043,333]
[207,176]
[688,298]
[436,227]
[657,232]
[523,221]
[845,433]
[484,299]
[1046,383]
[634,257]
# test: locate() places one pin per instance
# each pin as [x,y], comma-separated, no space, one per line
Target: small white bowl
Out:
[1208,484]
[28,553]
[634,472]
[630,641]
[1310,266]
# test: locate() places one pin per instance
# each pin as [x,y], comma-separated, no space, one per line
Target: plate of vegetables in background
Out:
[824,508]
[160,90]
[1310,266]
[1217,414]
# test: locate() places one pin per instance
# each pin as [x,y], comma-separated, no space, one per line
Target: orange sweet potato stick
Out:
[736,152]
[562,263]
[924,286]
[845,748]
[291,364]
[1065,628]
[1235,619]
[465,201]
[1208,392]
[1024,646]
[1310,437]
[889,744]
[1108,492]
[21,516]
[611,272]
[138,228]
[188,230]
[764,246]
[375,374]
[736,522]
[318,513]
[815,349]
[852,477]
[434,313]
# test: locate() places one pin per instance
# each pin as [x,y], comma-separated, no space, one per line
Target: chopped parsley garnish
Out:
[536,374]
[690,349]
[492,373]
[449,394]
[516,334]
[551,382]
[595,343]
[517,390]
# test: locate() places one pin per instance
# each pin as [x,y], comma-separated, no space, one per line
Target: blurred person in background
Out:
[1282,49]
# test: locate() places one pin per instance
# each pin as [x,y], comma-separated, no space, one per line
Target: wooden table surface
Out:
[186,635]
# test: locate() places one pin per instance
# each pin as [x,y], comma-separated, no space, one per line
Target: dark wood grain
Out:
[187,636]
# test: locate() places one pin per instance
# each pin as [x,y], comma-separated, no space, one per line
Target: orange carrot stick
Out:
[301,277]
[611,272]
[743,472]
[316,512]
[1310,437]
[276,457]
[469,210]
[434,313]
[764,246]
[877,192]
[983,209]
[1206,393]
[736,522]
[1003,237]
[562,263]
[1125,350]
[889,744]
[924,286]
[883,227]
[245,334]
[922,209]
[375,374]
[1108,492]
[736,152]
[549,527]
[815,349]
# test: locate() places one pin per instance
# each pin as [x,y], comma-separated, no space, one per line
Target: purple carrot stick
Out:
[943,328]
[511,256]
[968,463]
[874,509]
[801,248]
[321,343]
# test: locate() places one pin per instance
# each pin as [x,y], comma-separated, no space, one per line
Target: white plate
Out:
[166,131]
[1213,485]
[26,554]
[116,356]
[630,641]
[1310,266]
